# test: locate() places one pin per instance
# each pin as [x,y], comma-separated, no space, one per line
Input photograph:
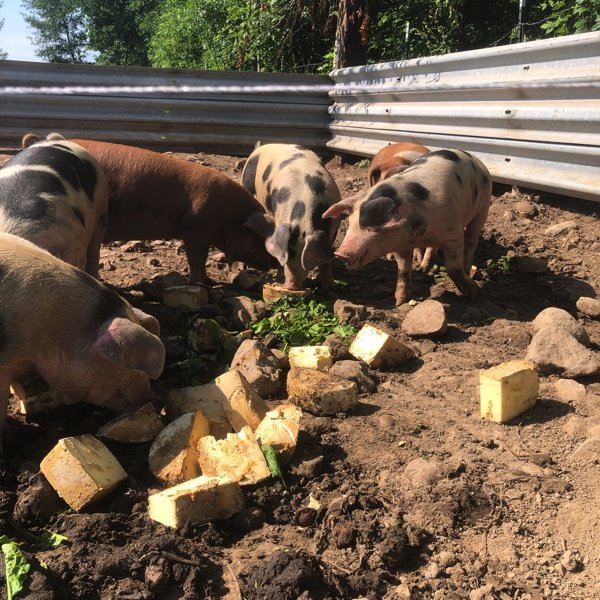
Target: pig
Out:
[441,200]
[393,159]
[296,189]
[77,334]
[153,196]
[55,195]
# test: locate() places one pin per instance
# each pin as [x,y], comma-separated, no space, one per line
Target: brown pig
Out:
[74,332]
[441,200]
[294,187]
[54,194]
[153,196]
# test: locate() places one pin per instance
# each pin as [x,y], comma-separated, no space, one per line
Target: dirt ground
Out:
[483,511]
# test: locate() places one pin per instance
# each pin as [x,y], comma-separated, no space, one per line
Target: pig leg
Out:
[427,259]
[326,276]
[454,257]
[196,251]
[472,232]
[92,259]
[404,262]
[293,280]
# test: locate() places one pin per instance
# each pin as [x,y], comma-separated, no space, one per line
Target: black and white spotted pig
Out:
[73,331]
[55,195]
[441,200]
[294,187]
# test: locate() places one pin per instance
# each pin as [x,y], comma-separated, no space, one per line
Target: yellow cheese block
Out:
[507,390]
[82,470]
[274,291]
[280,429]
[311,357]
[379,349]
[142,425]
[198,500]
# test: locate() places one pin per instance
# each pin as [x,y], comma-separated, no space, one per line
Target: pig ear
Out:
[148,322]
[55,136]
[130,346]
[277,244]
[261,223]
[29,139]
[343,206]
[317,251]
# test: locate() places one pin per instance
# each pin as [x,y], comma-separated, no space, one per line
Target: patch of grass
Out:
[364,163]
[300,322]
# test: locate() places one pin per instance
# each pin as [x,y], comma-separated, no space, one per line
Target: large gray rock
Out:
[557,317]
[426,319]
[555,350]
[350,313]
[259,366]
[244,311]
[356,371]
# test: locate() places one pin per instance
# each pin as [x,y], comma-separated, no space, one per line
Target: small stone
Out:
[589,307]
[356,371]
[531,264]
[571,562]
[526,209]
[432,571]
[426,319]
[445,559]
[422,473]
[247,279]
[590,449]
[560,228]
[244,311]
[347,312]
[557,317]
[482,593]
[569,390]
[344,534]
[259,365]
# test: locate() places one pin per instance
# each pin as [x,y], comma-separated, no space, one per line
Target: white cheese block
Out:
[280,429]
[243,406]
[82,470]
[142,425]
[507,390]
[238,457]
[198,500]
[173,456]
[379,349]
[311,357]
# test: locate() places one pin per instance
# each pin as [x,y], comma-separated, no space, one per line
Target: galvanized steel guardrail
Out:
[165,109]
[530,111]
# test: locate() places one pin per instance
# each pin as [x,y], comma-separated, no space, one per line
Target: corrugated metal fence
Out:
[169,109]
[530,111]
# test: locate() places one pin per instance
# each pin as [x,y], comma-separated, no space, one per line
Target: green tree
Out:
[565,17]
[60,29]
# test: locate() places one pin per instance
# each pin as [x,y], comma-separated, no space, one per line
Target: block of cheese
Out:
[321,393]
[238,457]
[311,357]
[35,395]
[507,390]
[82,470]
[379,349]
[187,297]
[173,456]
[208,398]
[274,291]
[198,500]
[243,406]
[280,429]
[142,425]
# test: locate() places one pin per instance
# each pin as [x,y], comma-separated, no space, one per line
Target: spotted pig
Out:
[74,332]
[153,196]
[294,187]
[441,200]
[55,195]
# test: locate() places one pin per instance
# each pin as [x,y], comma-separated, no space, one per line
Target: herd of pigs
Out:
[60,199]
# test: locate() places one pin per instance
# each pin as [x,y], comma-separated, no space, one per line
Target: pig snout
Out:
[130,346]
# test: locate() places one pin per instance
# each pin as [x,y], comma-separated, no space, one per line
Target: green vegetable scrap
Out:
[300,322]
[272,462]
[16,566]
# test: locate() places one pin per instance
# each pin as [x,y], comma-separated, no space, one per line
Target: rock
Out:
[560,228]
[422,473]
[531,264]
[244,311]
[356,371]
[590,449]
[189,298]
[321,393]
[154,288]
[247,279]
[426,319]
[510,333]
[259,365]
[348,312]
[482,593]
[589,307]
[206,336]
[526,209]
[569,390]
[445,559]
[554,350]
[557,317]
[337,347]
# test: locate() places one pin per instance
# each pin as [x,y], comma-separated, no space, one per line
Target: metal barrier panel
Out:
[530,111]
[167,109]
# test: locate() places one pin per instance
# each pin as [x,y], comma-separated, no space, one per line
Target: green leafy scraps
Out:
[16,566]
[272,462]
[50,539]
[300,322]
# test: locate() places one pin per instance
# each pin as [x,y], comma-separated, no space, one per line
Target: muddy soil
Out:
[412,495]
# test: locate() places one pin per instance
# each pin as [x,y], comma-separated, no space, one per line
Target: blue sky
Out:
[15,33]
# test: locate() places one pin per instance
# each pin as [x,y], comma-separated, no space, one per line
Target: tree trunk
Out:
[351,36]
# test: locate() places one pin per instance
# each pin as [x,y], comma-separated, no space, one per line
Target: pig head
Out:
[393,159]
[441,200]
[77,334]
[296,189]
